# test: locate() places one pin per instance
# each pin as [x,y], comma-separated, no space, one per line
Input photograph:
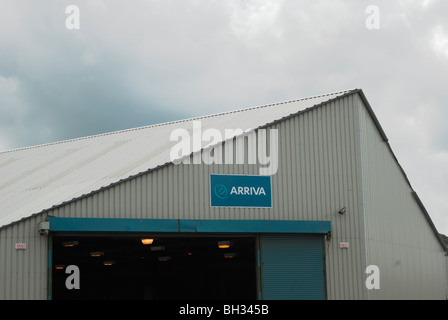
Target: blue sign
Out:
[240,191]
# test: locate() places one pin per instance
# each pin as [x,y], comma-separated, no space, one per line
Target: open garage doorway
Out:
[165,268]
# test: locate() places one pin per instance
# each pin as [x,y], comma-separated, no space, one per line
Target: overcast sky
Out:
[135,63]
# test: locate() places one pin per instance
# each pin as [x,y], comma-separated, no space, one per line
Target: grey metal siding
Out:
[23,273]
[400,240]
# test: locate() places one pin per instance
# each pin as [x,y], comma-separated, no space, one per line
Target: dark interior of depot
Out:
[180,268]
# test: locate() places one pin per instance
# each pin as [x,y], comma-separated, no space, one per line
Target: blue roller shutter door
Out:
[292,267]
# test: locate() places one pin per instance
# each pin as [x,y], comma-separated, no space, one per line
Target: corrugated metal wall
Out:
[23,273]
[319,172]
[400,240]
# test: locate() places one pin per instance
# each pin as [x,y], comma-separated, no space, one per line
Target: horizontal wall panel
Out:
[181,225]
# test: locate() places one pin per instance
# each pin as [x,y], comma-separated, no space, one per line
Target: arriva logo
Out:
[230,190]
[249,191]
[221,191]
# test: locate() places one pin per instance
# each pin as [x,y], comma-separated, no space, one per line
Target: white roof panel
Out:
[37,178]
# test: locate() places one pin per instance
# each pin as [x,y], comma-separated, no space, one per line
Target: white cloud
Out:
[254,20]
[439,42]
[12,107]
[8,85]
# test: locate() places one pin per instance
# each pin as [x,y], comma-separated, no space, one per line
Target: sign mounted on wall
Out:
[20,246]
[240,191]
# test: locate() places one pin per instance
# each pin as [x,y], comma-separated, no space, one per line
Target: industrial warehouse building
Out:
[302,199]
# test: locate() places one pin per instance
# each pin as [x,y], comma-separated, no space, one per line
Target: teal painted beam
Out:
[187,226]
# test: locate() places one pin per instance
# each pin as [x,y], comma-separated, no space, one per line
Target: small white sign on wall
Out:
[20,246]
[344,245]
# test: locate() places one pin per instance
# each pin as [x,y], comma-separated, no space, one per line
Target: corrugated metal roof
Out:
[37,178]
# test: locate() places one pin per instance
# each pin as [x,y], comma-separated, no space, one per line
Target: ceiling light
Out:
[70,243]
[164,258]
[223,244]
[229,255]
[59,267]
[109,263]
[147,241]
[96,253]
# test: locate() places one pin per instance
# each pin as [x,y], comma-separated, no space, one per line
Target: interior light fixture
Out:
[229,255]
[70,243]
[59,267]
[223,244]
[147,241]
[164,258]
[96,253]
[108,263]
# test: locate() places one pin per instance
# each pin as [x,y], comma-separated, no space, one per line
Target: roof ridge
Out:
[174,121]
[281,102]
